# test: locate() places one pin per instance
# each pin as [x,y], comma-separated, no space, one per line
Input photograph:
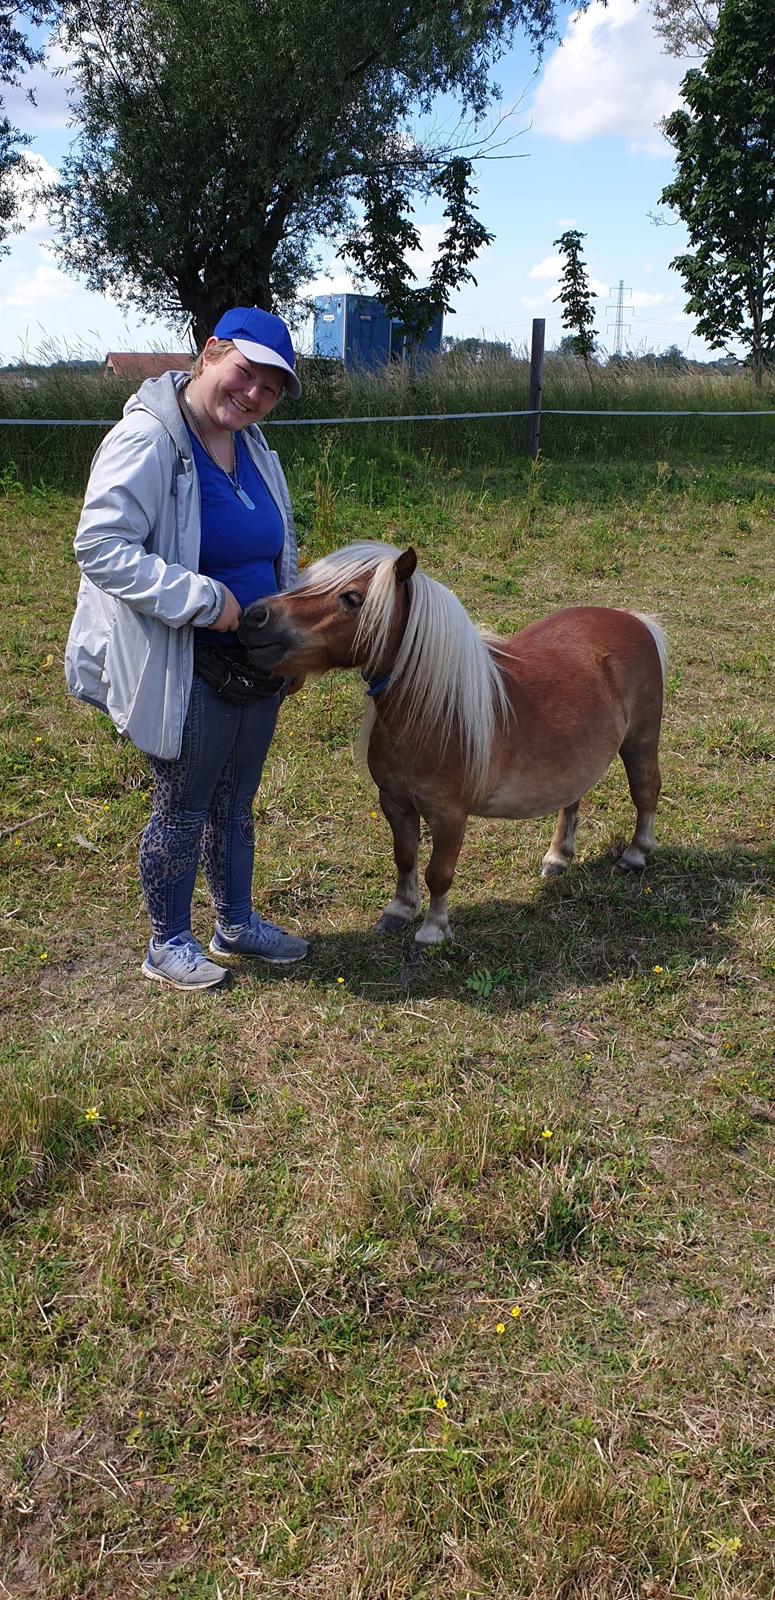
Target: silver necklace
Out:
[232,476]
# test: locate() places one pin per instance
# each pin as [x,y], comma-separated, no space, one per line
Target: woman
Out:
[186,519]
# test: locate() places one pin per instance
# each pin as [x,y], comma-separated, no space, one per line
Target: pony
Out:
[459,722]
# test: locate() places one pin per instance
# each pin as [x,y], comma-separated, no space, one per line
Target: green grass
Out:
[231,1299]
[369,454]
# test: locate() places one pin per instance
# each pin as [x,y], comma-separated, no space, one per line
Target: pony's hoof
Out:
[432,935]
[631,861]
[390,923]
[553,869]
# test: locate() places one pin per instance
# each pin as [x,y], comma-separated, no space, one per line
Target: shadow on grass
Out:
[593,926]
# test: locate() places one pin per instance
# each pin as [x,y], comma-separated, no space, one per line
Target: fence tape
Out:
[349,422]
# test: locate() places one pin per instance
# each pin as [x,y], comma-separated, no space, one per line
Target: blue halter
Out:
[377,685]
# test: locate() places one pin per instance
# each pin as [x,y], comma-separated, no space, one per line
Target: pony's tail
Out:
[660,639]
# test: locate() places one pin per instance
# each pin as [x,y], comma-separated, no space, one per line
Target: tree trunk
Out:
[205,307]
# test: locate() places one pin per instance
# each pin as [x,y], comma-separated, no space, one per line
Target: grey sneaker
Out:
[182,964]
[262,939]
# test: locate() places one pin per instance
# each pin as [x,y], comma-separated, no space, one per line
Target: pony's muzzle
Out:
[265,637]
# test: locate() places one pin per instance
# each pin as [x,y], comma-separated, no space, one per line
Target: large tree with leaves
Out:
[724,188]
[218,141]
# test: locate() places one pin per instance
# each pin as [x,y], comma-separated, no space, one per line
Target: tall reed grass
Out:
[60,456]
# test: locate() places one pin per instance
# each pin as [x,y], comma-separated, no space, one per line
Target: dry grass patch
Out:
[399,1278]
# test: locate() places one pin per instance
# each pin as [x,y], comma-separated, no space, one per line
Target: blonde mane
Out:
[444,673]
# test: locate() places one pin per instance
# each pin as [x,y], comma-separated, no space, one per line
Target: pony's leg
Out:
[560,852]
[404,820]
[642,767]
[447,831]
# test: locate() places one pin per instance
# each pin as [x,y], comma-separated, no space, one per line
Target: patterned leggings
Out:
[203,810]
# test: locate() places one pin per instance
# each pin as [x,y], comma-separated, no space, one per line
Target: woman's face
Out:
[235,392]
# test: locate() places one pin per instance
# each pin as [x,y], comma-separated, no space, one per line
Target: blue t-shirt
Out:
[239,547]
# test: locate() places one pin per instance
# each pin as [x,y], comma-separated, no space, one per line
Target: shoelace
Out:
[190,953]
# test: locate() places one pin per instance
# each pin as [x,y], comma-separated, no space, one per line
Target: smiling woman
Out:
[187,520]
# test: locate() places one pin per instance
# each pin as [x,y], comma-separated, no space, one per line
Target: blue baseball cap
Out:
[260,336]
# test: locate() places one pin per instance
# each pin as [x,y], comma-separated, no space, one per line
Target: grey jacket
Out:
[130,650]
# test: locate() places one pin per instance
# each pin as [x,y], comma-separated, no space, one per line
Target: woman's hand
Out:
[229,619]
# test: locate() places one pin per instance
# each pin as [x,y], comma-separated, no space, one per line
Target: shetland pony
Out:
[459,722]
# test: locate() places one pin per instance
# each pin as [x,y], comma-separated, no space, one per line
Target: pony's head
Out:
[347,610]
[367,606]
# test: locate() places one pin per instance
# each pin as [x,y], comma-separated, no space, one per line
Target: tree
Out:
[576,297]
[472,349]
[672,359]
[725,185]
[219,140]
[380,249]
[688,27]
[17,52]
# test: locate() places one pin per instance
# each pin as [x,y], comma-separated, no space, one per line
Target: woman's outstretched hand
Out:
[229,619]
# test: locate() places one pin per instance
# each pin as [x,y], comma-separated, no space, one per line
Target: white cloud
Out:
[549,267]
[549,270]
[39,104]
[40,288]
[421,261]
[640,298]
[27,185]
[608,77]
[327,283]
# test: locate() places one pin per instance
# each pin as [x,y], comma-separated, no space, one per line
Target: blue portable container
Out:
[357,330]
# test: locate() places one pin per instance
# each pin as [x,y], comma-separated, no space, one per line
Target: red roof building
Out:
[133,366]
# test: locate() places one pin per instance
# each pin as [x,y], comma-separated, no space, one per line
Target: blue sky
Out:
[586,153]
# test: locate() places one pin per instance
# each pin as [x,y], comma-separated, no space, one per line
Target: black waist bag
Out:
[232,674]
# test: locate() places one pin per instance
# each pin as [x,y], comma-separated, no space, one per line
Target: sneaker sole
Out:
[184,988]
[253,955]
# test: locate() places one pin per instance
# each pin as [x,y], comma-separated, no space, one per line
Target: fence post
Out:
[536,386]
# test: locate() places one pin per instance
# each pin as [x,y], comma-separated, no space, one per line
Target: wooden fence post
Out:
[536,386]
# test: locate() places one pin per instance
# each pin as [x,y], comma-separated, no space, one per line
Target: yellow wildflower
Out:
[440,1403]
[657,969]
[500,1327]
[516,1311]
[43,955]
[91,1114]
[546,1133]
[373,815]
[340,980]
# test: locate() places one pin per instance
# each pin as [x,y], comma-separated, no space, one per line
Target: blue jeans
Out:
[203,810]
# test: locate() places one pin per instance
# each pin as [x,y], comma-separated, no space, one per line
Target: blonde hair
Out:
[215,353]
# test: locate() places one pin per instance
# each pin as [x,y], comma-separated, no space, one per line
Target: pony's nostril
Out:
[259,616]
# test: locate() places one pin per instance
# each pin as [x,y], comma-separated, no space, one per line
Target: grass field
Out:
[399,1279]
[59,457]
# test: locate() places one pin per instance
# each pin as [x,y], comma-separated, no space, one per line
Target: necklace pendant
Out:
[243,495]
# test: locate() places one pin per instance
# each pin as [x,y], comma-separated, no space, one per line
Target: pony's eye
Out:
[351,599]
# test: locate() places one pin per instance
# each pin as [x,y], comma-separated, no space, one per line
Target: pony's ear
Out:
[405,564]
